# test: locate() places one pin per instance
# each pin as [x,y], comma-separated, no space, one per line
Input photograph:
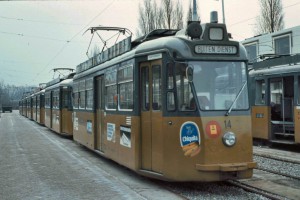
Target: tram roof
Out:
[174,42]
[279,65]
[66,82]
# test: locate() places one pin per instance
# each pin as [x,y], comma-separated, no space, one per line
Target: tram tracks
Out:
[255,190]
[277,175]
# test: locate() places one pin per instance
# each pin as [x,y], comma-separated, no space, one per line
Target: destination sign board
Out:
[215,49]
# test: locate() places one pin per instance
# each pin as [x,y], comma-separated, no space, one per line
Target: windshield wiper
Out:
[236,98]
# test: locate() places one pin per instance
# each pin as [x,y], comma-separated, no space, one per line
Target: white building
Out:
[284,42]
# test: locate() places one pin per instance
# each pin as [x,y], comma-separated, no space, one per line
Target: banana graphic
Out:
[191,149]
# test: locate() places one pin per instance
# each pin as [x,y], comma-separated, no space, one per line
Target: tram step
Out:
[283,141]
[284,134]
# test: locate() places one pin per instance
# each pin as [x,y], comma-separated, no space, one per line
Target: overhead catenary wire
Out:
[75,35]
[38,21]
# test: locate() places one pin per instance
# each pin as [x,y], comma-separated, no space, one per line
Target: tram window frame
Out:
[75,95]
[38,101]
[260,87]
[89,94]
[170,72]
[156,90]
[145,88]
[125,88]
[47,99]
[280,46]
[171,102]
[185,97]
[82,97]
[42,100]
[171,105]
[298,92]
[34,102]
[66,99]
[111,91]
[56,99]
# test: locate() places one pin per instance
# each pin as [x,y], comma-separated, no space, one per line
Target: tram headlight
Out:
[229,139]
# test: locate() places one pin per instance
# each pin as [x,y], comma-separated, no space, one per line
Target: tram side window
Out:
[156,92]
[260,92]
[47,100]
[298,90]
[38,101]
[55,99]
[75,95]
[186,101]
[82,100]
[34,102]
[89,94]
[125,79]
[66,99]
[111,90]
[76,100]
[170,84]
[145,88]
[82,96]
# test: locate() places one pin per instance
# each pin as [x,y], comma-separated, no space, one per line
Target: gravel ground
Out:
[278,166]
[222,190]
[208,191]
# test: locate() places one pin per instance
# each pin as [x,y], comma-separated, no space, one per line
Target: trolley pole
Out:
[195,15]
[223,11]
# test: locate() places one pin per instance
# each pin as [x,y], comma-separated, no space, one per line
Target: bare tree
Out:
[147,17]
[153,16]
[177,22]
[271,18]
[168,12]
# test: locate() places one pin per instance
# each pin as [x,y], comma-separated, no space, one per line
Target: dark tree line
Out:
[11,95]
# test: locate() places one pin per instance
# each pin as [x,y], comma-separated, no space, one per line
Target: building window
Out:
[282,45]
[251,52]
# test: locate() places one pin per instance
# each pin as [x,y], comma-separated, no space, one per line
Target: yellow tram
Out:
[172,105]
[58,106]
[28,109]
[275,99]
[40,107]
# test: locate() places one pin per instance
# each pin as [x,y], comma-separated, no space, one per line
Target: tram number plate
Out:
[215,49]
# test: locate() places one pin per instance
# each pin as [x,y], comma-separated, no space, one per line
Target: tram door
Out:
[151,116]
[282,105]
[99,113]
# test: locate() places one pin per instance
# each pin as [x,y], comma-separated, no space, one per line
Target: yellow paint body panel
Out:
[297,124]
[261,122]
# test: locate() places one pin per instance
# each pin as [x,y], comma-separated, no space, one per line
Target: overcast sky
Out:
[37,36]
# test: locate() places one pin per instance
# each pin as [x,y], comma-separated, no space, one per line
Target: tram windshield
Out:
[218,85]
